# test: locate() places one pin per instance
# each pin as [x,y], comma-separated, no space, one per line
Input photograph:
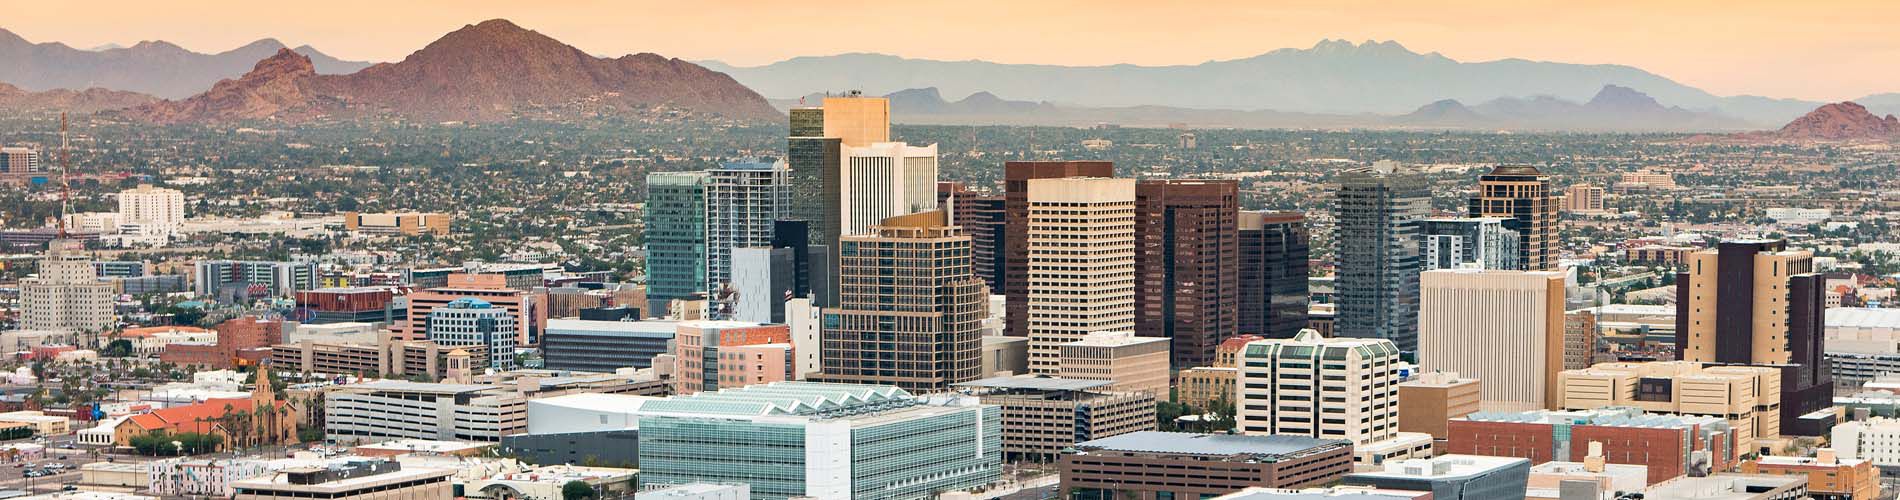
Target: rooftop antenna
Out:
[65,184]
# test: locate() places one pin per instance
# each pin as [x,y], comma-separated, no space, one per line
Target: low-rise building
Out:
[43,424]
[1203,387]
[386,409]
[1591,479]
[1748,397]
[1336,492]
[1044,415]
[1829,477]
[545,483]
[1453,477]
[150,341]
[1431,399]
[1152,465]
[863,442]
[1726,486]
[1670,445]
[604,346]
[403,223]
[1130,363]
[387,356]
[358,480]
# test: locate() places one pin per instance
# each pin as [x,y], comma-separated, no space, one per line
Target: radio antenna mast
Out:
[65,184]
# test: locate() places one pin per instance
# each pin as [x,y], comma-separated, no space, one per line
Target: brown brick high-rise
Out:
[981,215]
[1522,194]
[1186,252]
[1014,260]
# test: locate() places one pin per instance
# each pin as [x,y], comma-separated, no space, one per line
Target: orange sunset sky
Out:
[1821,50]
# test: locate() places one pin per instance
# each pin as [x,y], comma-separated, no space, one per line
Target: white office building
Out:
[1337,388]
[393,409]
[66,295]
[743,200]
[157,212]
[1081,263]
[884,180]
[470,321]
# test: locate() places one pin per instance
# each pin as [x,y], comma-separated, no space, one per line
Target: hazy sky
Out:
[1814,49]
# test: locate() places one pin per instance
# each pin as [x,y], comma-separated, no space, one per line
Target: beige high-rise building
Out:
[67,293]
[1522,194]
[910,308]
[1137,364]
[1757,302]
[1749,397]
[857,120]
[157,206]
[1338,388]
[1505,328]
[1583,198]
[1081,262]
[886,179]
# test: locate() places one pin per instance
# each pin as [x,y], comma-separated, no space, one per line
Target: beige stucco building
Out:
[1505,328]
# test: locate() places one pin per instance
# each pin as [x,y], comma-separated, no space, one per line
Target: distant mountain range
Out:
[490,71]
[1332,77]
[152,67]
[1613,108]
[15,100]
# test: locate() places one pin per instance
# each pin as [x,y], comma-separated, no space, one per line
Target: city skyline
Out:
[1770,49]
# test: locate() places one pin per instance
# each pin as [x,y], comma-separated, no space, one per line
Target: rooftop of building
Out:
[407,386]
[290,480]
[1221,445]
[1334,493]
[1443,466]
[1720,486]
[423,446]
[155,330]
[807,399]
[1607,416]
[594,401]
[470,303]
[1438,379]
[1579,468]
[1115,339]
[1035,382]
[1862,317]
[1308,337]
[1830,461]
[667,327]
[694,490]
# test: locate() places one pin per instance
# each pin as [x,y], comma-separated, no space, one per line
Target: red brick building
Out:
[241,341]
[1670,445]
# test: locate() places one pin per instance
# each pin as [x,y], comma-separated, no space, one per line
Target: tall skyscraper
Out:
[1377,244]
[813,161]
[1080,262]
[66,294]
[884,180]
[1014,260]
[1518,318]
[981,216]
[910,309]
[743,201]
[1469,242]
[1187,247]
[1522,194]
[1757,302]
[857,120]
[1272,269]
[675,237]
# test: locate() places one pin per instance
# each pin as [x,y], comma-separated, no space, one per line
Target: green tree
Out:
[578,490]
[117,348]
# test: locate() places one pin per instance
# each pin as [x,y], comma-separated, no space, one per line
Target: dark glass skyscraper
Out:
[1186,247]
[1376,240]
[675,237]
[1274,249]
[815,185]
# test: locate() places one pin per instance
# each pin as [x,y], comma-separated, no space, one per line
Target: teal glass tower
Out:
[675,237]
